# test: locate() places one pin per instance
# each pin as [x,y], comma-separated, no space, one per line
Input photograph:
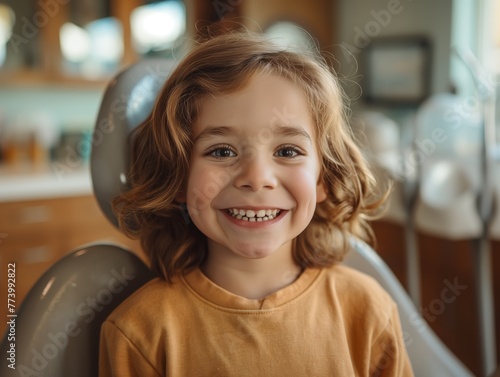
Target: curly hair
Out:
[162,146]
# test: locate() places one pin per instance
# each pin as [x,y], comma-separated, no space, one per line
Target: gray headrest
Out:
[127,102]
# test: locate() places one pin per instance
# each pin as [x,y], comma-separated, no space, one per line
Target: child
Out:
[246,186]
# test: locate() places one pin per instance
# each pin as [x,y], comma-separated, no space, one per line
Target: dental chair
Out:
[57,326]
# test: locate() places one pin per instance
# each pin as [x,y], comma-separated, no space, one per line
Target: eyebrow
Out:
[296,131]
[215,131]
[280,130]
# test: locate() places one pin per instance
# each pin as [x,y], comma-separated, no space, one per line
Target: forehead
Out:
[267,101]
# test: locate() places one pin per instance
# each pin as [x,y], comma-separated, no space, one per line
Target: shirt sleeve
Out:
[119,357]
[389,357]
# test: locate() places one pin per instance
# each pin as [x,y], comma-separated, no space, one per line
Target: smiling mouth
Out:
[254,216]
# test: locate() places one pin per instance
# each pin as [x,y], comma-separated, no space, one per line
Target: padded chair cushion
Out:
[58,325]
[127,102]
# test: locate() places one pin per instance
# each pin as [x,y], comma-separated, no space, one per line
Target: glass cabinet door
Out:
[85,40]
[91,40]
[20,35]
[158,28]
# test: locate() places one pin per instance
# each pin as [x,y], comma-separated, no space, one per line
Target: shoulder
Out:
[370,320]
[358,294]
[362,285]
[145,305]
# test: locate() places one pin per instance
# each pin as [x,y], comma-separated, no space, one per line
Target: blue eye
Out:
[288,152]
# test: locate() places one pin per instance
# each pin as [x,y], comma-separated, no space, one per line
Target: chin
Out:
[254,253]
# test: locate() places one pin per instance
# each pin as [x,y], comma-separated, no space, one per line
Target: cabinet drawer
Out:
[29,216]
[41,245]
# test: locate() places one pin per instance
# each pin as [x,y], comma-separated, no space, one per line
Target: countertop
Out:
[28,182]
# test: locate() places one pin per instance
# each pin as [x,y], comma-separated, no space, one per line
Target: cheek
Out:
[203,186]
[304,185]
[196,194]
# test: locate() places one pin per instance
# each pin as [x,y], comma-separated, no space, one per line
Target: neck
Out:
[251,278]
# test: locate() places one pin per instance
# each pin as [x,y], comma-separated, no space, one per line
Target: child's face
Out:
[254,152]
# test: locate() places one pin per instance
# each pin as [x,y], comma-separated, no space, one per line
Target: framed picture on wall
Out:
[396,71]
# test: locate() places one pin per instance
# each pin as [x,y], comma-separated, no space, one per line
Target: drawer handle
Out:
[37,254]
[38,214]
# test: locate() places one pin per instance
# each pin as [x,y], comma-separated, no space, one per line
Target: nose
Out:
[256,173]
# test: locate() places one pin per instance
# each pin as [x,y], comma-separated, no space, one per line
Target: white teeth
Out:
[252,216]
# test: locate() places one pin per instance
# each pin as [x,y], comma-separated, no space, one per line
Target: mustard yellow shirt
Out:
[329,322]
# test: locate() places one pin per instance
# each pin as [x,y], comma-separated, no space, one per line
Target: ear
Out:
[321,192]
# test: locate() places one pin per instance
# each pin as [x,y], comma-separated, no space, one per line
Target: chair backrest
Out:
[127,102]
[56,331]
[428,355]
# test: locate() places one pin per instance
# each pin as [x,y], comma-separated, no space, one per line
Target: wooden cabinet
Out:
[34,52]
[445,263]
[35,234]
[314,16]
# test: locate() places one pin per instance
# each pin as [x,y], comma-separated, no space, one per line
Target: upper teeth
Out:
[251,215]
